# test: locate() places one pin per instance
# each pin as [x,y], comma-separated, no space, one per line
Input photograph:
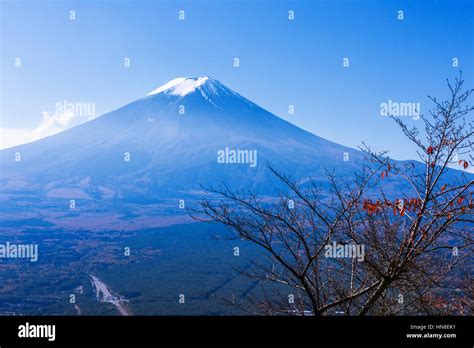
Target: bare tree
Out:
[413,241]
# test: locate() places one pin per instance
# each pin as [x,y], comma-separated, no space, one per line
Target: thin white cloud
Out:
[50,124]
[10,137]
[55,123]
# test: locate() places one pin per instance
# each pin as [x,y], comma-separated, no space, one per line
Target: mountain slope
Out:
[173,137]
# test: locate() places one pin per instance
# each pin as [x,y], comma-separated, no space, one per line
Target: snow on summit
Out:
[167,86]
[180,86]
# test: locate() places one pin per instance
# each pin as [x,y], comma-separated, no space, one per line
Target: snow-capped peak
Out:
[180,86]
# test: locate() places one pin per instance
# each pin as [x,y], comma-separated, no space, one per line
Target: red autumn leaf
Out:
[430,150]
[463,163]
[443,188]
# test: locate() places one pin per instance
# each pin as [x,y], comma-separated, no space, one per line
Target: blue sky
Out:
[282,62]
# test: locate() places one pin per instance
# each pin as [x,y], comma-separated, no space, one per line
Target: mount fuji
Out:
[168,142]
